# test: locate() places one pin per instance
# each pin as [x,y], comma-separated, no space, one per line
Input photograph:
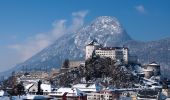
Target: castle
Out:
[115,53]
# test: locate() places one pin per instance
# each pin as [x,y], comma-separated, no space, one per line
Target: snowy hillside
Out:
[108,31]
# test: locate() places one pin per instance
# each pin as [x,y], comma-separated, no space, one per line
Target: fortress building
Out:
[152,69]
[115,53]
[91,47]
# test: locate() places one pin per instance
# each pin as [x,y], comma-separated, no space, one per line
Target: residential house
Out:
[69,94]
[32,88]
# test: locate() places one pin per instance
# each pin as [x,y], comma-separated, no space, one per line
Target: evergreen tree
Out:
[20,89]
[39,92]
[66,63]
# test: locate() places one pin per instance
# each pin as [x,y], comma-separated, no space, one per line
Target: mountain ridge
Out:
[107,31]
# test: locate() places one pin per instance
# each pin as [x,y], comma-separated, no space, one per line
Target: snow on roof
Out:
[61,91]
[46,87]
[28,86]
[149,81]
[153,64]
[5,98]
[86,87]
[155,78]
[147,70]
[138,68]
[69,91]
[75,92]
[2,93]
[33,97]
[94,42]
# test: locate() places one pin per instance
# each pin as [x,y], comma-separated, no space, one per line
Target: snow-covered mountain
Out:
[108,31]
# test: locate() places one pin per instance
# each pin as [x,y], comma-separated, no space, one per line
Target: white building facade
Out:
[90,48]
[115,53]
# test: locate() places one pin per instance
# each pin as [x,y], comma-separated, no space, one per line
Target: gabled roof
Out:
[46,87]
[94,42]
[87,87]
[70,92]
[154,64]
[27,87]
[76,92]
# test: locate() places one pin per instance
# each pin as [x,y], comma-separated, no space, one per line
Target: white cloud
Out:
[78,20]
[34,44]
[8,58]
[141,9]
[31,46]
[59,28]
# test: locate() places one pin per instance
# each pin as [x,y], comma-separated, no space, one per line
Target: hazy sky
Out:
[28,26]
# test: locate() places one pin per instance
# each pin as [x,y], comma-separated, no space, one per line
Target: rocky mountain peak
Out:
[105,29]
[107,23]
[105,19]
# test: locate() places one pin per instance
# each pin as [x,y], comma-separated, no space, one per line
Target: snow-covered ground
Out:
[31,97]
[13,98]
[4,98]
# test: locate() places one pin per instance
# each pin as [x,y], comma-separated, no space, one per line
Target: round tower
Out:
[125,54]
[155,68]
[152,69]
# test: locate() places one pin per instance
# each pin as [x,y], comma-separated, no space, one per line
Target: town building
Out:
[68,94]
[94,91]
[147,95]
[115,53]
[75,64]
[87,88]
[102,95]
[32,88]
[33,76]
[90,48]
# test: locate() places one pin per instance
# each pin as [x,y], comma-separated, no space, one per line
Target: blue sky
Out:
[28,26]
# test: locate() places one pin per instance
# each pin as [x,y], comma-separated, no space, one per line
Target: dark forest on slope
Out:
[99,69]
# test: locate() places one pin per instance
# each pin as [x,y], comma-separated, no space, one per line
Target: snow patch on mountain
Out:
[105,29]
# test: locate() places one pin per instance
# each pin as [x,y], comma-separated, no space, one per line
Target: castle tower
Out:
[125,54]
[155,68]
[93,45]
[152,69]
